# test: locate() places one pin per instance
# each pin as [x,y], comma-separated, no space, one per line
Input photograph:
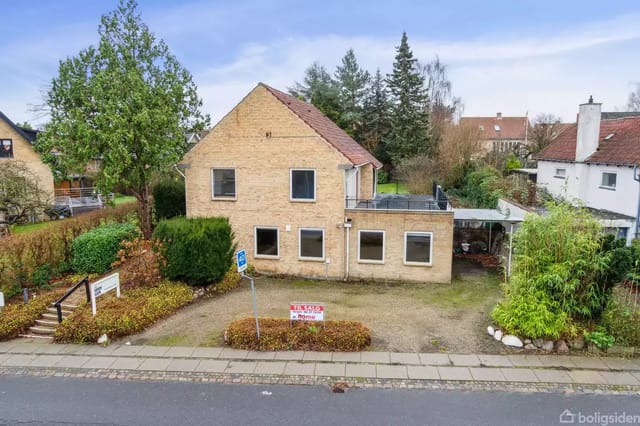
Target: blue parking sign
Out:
[241,260]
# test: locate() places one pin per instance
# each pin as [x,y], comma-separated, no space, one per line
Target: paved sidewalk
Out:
[387,369]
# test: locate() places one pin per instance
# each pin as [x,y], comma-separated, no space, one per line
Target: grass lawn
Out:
[402,317]
[390,188]
[123,199]
[20,229]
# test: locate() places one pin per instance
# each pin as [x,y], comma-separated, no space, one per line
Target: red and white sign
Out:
[306,311]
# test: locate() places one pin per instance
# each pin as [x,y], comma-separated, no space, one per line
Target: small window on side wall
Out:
[417,248]
[303,185]
[608,180]
[223,183]
[561,173]
[311,244]
[6,148]
[267,242]
[371,246]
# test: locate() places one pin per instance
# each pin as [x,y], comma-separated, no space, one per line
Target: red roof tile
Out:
[510,127]
[326,128]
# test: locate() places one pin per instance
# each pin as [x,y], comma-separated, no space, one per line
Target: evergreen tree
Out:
[351,81]
[319,89]
[410,117]
[376,122]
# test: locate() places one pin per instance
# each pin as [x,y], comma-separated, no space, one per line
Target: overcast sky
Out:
[507,56]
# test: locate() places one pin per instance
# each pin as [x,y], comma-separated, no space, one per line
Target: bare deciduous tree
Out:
[545,129]
[20,194]
[633,104]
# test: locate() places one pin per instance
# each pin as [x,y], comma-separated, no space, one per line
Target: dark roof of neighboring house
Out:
[615,115]
[510,127]
[29,134]
[618,143]
[326,128]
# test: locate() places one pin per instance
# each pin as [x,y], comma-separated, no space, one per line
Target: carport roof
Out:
[484,215]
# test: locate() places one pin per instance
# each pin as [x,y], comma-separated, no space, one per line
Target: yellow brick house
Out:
[301,197]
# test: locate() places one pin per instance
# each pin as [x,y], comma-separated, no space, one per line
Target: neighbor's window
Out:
[608,180]
[303,185]
[223,183]
[6,148]
[266,241]
[417,248]
[371,246]
[561,173]
[312,244]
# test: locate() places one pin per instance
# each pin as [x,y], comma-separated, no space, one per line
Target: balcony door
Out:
[352,180]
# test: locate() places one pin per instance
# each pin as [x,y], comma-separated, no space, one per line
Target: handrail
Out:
[58,303]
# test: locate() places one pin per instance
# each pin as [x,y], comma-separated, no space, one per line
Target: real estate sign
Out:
[102,286]
[301,311]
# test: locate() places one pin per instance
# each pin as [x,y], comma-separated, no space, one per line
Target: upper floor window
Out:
[223,183]
[303,185]
[561,173]
[608,180]
[6,148]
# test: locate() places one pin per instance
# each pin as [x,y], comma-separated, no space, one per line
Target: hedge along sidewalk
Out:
[358,368]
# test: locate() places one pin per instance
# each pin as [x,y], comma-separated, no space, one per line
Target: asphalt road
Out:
[60,401]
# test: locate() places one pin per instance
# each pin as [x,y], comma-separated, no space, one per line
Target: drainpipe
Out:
[636,177]
[347,227]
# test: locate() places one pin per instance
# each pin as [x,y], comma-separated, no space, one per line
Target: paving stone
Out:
[422,372]
[127,350]
[621,364]
[465,360]
[552,376]
[346,357]
[19,360]
[274,367]
[360,370]
[495,360]
[153,351]
[454,373]
[375,357]
[435,359]
[24,348]
[334,369]
[45,361]
[557,361]
[391,371]
[487,374]
[6,346]
[230,353]
[268,355]
[73,361]
[206,352]
[295,368]
[99,362]
[316,356]
[400,358]
[525,360]
[155,364]
[636,375]
[588,362]
[179,351]
[129,363]
[74,349]
[241,367]
[585,376]
[519,375]
[101,350]
[212,365]
[620,378]
[289,355]
[48,348]
[4,357]
[178,364]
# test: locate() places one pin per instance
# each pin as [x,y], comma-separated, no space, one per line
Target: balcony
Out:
[436,202]
[78,200]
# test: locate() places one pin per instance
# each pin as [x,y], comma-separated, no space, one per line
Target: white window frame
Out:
[312,259]
[213,184]
[562,175]
[384,243]
[11,144]
[255,242]
[404,249]
[315,185]
[603,186]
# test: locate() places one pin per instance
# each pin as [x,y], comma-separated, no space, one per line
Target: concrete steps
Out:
[46,325]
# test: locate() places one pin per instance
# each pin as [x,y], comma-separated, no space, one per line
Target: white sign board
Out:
[301,311]
[241,260]
[1,300]
[102,286]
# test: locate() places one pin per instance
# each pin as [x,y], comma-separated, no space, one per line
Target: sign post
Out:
[306,311]
[241,261]
[1,301]
[102,286]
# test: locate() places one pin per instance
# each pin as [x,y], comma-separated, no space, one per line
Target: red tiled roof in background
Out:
[326,128]
[510,127]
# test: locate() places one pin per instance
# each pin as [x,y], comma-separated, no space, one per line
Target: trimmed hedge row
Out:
[96,250]
[134,311]
[278,334]
[16,318]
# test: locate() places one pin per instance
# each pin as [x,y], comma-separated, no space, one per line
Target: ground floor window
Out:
[266,239]
[371,246]
[417,248]
[311,244]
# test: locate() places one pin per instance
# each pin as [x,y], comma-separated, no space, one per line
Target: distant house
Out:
[593,162]
[500,134]
[300,195]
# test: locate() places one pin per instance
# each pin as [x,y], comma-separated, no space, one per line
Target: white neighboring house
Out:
[593,163]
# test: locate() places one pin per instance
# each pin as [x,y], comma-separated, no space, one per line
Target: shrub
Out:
[16,318]
[622,321]
[22,254]
[600,338]
[169,199]
[134,311]
[383,176]
[96,250]
[278,334]
[197,251]
[230,281]
[139,261]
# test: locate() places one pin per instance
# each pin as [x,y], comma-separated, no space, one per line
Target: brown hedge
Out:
[278,334]
[16,318]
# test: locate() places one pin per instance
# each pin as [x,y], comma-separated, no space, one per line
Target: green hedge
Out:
[169,199]
[197,251]
[96,250]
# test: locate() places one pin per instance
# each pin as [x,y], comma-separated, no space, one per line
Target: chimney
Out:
[499,115]
[588,129]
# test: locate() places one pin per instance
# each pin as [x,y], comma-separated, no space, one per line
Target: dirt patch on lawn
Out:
[402,317]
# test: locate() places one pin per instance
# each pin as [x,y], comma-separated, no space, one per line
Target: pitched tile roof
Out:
[326,128]
[618,143]
[510,127]
[28,134]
